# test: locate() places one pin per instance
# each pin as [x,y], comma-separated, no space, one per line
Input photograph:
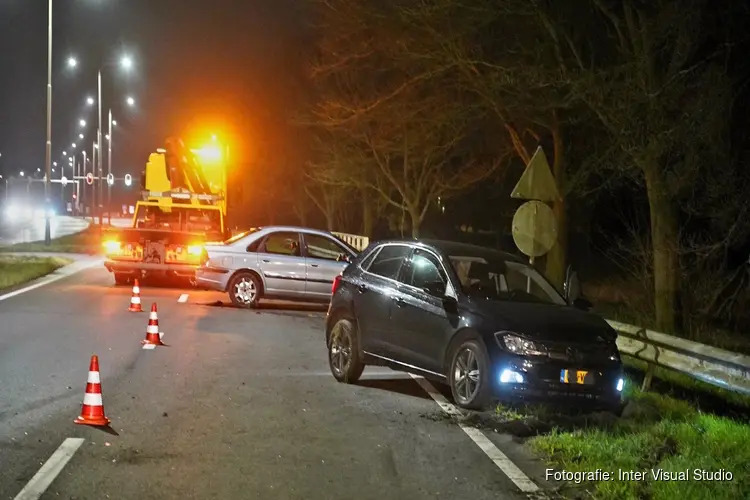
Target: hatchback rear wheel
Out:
[469,376]
[343,352]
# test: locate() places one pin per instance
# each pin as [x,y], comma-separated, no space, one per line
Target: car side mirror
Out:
[436,288]
[343,258]
[572,286]
[582,303]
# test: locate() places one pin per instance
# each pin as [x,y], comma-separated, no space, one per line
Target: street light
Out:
[74,145]
[130,101]
[54,163]
[80,136]
[22,174]
[65,153]
[82,123]
[114,123]
[126,62]
[72,61]
[90,101]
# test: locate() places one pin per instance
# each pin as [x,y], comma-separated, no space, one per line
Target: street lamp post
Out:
[48,149]
[109,169]
[93,184]
[99,141]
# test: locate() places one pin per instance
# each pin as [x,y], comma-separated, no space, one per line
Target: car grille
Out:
[579,353]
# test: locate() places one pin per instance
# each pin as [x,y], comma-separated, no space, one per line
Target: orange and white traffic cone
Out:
[135,299]
[92,411]
[153,335]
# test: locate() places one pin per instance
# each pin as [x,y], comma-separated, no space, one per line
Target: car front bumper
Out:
[524,380]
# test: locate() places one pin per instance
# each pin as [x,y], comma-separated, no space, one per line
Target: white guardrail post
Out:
[718,367]
[355,240]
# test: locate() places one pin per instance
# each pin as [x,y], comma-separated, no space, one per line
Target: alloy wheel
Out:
[466,376]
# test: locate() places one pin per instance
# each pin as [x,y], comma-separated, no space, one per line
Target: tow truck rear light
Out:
[336,283]
[196,250]
[111,246]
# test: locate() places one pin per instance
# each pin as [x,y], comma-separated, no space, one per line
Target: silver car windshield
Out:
[500,279]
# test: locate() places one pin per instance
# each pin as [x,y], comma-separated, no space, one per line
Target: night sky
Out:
[200,67]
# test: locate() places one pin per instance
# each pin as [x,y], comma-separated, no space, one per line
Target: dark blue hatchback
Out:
[483,322]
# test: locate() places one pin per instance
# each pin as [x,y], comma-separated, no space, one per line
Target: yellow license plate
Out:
[574,377]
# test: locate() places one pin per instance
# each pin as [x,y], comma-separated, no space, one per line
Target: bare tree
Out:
[665,103]
[403,126]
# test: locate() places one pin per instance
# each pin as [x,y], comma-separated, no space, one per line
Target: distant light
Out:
[130,101]
[53,170]
[214,138]
[22,174]
[114,122]
[126,62]
[106,136]
[38,169]
[72,62]
[65,153]
[96,146]
[90,101]
[80,136]
[54,163]
[82,123]
[74,145]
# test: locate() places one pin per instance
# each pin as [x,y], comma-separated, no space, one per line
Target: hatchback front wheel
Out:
[469,376]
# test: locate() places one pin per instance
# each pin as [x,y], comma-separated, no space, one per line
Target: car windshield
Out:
[493,277]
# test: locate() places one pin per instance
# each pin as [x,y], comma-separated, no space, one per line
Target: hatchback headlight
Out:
[518,345]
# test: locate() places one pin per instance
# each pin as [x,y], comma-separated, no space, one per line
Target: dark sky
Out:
[201,66]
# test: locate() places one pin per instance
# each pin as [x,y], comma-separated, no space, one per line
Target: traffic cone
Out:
[92,411]
[153,336]
[135,299]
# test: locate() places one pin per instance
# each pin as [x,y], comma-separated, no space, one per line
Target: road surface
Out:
[34,231]
[240,405]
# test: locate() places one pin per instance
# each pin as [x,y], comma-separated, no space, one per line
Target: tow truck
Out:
[183,208]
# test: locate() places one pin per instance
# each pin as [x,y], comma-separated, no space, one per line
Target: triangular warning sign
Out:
[537,181]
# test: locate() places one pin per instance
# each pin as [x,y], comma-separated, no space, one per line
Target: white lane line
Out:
[50,470]
[505,464]
[64,273]
[183,298]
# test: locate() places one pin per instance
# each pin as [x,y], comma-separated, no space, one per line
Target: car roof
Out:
[266,229]
[447,248]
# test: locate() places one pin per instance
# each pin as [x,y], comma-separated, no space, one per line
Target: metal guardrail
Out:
[718,367]
[355,240]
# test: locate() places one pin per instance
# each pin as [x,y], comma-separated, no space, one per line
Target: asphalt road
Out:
[34,231]
[240,405]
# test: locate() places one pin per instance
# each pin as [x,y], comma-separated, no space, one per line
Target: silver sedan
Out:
[277,262]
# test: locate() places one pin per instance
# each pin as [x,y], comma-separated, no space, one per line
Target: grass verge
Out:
[656,432]
[15,271]
[87,241]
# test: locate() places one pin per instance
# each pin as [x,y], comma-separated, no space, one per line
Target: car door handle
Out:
[313,265]
[266,260]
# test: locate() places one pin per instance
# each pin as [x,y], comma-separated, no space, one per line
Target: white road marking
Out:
[35,488]
[183,298]
[505,464]
[149,346]
[64,272]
